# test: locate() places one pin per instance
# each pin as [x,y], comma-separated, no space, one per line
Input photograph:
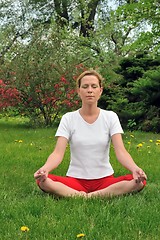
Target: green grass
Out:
[24,150]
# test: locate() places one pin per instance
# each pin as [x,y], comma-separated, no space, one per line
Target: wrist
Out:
[45,169]
[134,169]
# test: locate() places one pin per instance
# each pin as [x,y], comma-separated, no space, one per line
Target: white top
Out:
[89,143]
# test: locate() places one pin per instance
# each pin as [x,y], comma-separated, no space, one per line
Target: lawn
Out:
[24,150]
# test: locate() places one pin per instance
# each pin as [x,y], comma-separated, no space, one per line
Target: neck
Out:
[89,110]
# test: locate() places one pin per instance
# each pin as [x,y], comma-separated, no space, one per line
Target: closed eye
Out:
[87,85]
[94,86]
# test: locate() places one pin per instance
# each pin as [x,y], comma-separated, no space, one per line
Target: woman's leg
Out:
[59,189]
[62,186]
[110,186]
[119,188]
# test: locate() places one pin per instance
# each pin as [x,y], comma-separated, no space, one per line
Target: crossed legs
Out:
[116,189]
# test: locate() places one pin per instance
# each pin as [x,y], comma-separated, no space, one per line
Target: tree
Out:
[109,30]
[44,74]
[136,96]
[148,90]
[36,35]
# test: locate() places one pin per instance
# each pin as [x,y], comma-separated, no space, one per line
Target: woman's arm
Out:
[125,158]
[54,159]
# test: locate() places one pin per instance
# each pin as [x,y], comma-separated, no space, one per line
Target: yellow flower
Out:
[151,140]
[158,141]
[24,229]
[139,145]
[80,235]
[129,142]
[20,141]
[132,136]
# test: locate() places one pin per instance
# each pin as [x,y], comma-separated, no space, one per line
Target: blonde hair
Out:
[87,73]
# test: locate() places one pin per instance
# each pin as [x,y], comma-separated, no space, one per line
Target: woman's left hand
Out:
[139,175]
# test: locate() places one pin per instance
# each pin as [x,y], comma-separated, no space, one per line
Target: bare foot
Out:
[140,179]
[82,194]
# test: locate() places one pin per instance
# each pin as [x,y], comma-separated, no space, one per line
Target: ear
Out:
[101,90]
[77,89]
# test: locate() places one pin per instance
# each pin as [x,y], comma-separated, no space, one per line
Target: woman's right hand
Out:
[41,174]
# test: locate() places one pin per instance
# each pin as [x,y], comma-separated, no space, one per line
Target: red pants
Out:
[90,185]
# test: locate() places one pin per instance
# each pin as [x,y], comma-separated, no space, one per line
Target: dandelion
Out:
[158,142]
[151,140]
[19,141]
[139,145]
[24,229]
[129,146]
[80,235]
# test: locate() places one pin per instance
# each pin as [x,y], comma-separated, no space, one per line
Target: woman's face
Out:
[89,90]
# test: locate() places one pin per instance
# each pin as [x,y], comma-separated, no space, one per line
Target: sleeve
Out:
[115,125]
[63,129]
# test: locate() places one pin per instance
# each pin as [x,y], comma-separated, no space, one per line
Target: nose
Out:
[89,89]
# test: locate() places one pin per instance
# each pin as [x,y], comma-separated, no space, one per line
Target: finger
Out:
[38,174]
[143,175]
[37,177]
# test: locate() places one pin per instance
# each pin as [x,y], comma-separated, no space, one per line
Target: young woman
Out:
[89,131]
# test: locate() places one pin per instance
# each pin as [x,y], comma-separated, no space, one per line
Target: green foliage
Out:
[43,41]
[136,97]
[37,76]
[126,27]
[148,87]
[131,124]
[44,72]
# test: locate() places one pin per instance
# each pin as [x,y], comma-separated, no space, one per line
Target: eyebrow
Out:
[93,84]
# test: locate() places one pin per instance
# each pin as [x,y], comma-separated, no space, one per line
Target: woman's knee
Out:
[44,185]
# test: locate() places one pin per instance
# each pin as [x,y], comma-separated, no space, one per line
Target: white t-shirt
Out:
[89,143]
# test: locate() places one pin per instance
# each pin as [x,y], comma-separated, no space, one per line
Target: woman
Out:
[89,131]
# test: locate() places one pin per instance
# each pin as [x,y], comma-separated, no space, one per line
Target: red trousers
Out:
[90,185]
